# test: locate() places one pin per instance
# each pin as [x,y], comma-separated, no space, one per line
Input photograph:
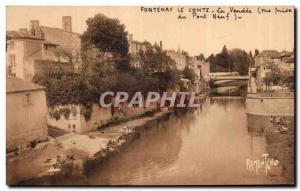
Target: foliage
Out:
[106,67]
[273,75]
[189,74]
[251,58]
[65,89]
[239,61]
[167,79]
[56,115]
[276,76]
[87,113]
[66,112]
[227,61]
[107,34]
[256,52]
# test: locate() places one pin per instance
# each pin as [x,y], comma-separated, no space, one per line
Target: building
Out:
[284,60]
[135,47]
[24,52]
[265,57]
[26,113]
[21,50]
[287,61]
[201,69]
[25,48]
[70,42]
[179,57]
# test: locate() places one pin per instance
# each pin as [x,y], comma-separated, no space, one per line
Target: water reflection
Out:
[209,145]
[156,150]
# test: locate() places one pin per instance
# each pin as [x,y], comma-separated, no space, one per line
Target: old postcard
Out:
[150,95]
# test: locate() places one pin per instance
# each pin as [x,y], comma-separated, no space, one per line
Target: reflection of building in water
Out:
[227,101]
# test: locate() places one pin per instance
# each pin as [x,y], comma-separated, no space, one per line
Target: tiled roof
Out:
[14,85]
[286,53]
[59,29]
[270,53]
[17,34]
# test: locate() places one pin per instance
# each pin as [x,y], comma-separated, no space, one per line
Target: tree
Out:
[106,34]
[239,60]
[252,61]
[167,79]
[221,61]
[256,53]
[273,76]
[224,51]
[189,74]
[226,61]
[211,58]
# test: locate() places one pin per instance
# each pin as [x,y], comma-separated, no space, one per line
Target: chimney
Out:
[131,37]
[67,23]
[34,25]
[23,31]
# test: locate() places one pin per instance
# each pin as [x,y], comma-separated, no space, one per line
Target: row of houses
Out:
[182,60]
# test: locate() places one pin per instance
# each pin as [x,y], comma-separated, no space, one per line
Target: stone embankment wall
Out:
[76,121]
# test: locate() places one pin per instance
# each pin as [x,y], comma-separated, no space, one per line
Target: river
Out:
[207,146]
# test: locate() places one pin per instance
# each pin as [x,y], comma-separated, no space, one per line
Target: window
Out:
[11,64]
[69,126]
[27,99]
[12,60]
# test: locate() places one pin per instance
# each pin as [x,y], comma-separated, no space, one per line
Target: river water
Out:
[209,145]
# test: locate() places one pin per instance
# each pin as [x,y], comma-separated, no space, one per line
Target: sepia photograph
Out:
[150,95]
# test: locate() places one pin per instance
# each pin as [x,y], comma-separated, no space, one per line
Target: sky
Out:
[207,36]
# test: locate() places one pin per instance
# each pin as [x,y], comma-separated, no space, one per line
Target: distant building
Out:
[201,68]
[26,113]
[284,60]
[135,47]
[179,57]
[265,57]
[287,61]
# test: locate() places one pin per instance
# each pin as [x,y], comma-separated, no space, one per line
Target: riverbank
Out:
[69,154]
